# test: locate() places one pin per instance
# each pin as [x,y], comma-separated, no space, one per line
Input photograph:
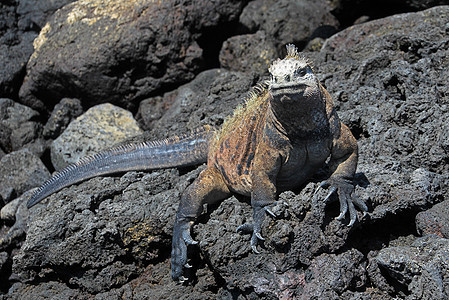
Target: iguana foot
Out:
[181,239]
[256,227]
[346,196]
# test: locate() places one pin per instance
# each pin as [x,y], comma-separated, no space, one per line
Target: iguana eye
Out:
[301,72]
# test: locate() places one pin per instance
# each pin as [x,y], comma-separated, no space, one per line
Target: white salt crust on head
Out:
[286,66]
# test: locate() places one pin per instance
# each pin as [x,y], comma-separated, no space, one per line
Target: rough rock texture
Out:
[350,11]
[109,238]
[434,221]
[101,127]
[37,12]
[15,51]
[15,213]
[20,22]
[20,171]
[105,237]
[207,100]
[299,235]
[144,46]
[388,77]
[18,125]
[64,112]
[248,53]
[422,268]
[288,21]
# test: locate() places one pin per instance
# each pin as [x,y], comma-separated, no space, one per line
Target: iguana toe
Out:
[188,238]
[181,238]
[346,197]
[245,228]
[255,228]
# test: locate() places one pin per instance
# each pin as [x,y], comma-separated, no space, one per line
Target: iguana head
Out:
[292,75]
[297,100]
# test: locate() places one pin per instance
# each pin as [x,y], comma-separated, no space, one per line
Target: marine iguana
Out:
[276,140]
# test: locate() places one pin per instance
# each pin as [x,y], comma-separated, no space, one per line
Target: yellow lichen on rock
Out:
[89,12]
[139,238]
[40,40]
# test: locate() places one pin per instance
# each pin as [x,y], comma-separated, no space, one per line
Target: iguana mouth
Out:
[289,88]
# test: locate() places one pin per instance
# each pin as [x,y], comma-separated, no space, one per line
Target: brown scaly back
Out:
[254,100]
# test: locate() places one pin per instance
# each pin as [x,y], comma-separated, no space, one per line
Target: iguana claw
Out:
[181,239]
[256,227]
[347,198]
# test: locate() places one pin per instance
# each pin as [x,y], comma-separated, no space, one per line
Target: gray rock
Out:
[420,268]
[350,10]
[293,238]
[99,128]
[434,221]
[207,100]
[288,21]
[17,212]
[25,134]
[64,112]
[20,22]
[330,275]
[93,227]
[15,50]
[8,212]
[151,110]
[37,12]
[3,258]
[143,48]
[17,125]
[45,290]
[248,53]
[388,78]
[20,171]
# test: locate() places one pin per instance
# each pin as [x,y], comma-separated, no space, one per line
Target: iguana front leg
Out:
[263,195]
[209,187]
[343,165]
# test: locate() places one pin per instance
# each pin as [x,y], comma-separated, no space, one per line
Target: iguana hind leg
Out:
[209,187]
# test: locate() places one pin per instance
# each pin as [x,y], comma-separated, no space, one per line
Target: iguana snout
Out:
[292,75]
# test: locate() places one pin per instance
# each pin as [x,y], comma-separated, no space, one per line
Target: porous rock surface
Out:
[119,51]
[102,127]
[61,116]
[18,125]
[287,21]
[109,238]
[20,171]
[421,267]
[20,23]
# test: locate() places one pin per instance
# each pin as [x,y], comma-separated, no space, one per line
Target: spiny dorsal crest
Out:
[292,61]
[292,52]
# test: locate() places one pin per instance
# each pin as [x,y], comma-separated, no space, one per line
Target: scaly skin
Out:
[176,151]
[277,140]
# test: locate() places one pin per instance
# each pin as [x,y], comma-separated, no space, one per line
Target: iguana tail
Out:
[186,150]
